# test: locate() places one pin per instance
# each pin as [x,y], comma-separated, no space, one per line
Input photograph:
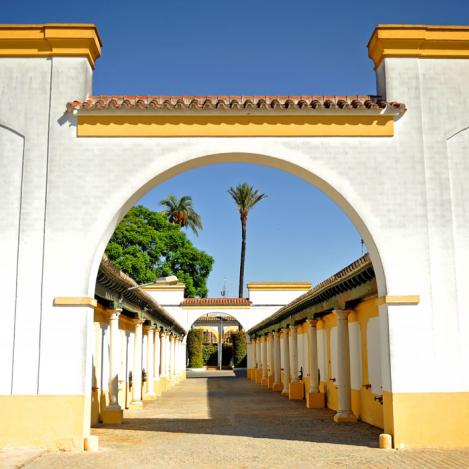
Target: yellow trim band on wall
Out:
[404,40]
[399,300]
[157,125]
[50,40]
[75,301]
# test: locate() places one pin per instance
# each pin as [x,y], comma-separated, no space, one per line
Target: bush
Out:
[238,340]
[226,354]
[194,348]
[210,354]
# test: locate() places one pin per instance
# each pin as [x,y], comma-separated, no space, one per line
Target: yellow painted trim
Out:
[423,41]
[427,420]
[75,301]
[269,286]
[50,40]
[54,422]
[215,125]
[399,300]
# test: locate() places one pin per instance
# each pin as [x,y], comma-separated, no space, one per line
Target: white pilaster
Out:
[313,356]
[286,361]
[293,355]
[156,356]
[137,367]
[114,360]
[150,364]
[264,359]
[163,354]
[277,361]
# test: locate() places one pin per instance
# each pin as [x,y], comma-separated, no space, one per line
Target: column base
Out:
[164,383]
[91,443]
[150,397]
[157,386]
[284,392]
[258,376]
[296,391]
[265,381]
[315,400]
[136,405]
[345,416]
[112,415]
[270,382]
[277,387]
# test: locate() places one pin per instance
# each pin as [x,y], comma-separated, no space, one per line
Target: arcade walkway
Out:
[219,420]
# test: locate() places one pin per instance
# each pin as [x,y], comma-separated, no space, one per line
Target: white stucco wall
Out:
[406,195]
[274,297]
[322,355]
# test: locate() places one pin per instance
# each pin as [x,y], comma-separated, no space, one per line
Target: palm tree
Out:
[180,212]
[245,197]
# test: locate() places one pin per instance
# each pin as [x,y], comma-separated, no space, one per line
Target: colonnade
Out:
[273,362]
[133,361]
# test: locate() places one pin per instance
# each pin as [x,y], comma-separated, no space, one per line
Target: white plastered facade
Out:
[63,196]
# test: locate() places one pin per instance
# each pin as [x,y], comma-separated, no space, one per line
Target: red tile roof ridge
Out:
[218,301]
[238,102]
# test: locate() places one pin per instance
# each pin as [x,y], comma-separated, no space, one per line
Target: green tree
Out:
[245,197]
[194,348]
[145,245]
[181,212]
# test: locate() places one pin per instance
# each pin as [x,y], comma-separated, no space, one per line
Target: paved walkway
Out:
[225,421]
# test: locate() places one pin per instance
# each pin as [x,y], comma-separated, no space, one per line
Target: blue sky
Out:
[263,47]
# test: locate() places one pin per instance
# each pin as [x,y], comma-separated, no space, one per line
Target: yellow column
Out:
[137,367]
[344,411]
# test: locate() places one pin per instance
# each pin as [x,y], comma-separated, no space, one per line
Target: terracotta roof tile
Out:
[251,103]
[216,302]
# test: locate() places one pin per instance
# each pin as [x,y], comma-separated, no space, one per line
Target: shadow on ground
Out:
[238,407]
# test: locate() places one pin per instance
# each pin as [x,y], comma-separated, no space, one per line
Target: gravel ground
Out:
[217,419]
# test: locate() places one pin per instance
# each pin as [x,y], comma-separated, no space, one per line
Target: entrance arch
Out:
[347,202]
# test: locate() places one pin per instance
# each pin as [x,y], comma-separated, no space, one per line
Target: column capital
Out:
[292,328]
[312,322]
[342,313]
[284,330]
[115,313]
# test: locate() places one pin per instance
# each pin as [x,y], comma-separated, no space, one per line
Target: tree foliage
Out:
[194,348]
[238,339]
[181,212]
[146,246]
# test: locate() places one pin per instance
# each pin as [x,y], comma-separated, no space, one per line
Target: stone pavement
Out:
[219,420]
